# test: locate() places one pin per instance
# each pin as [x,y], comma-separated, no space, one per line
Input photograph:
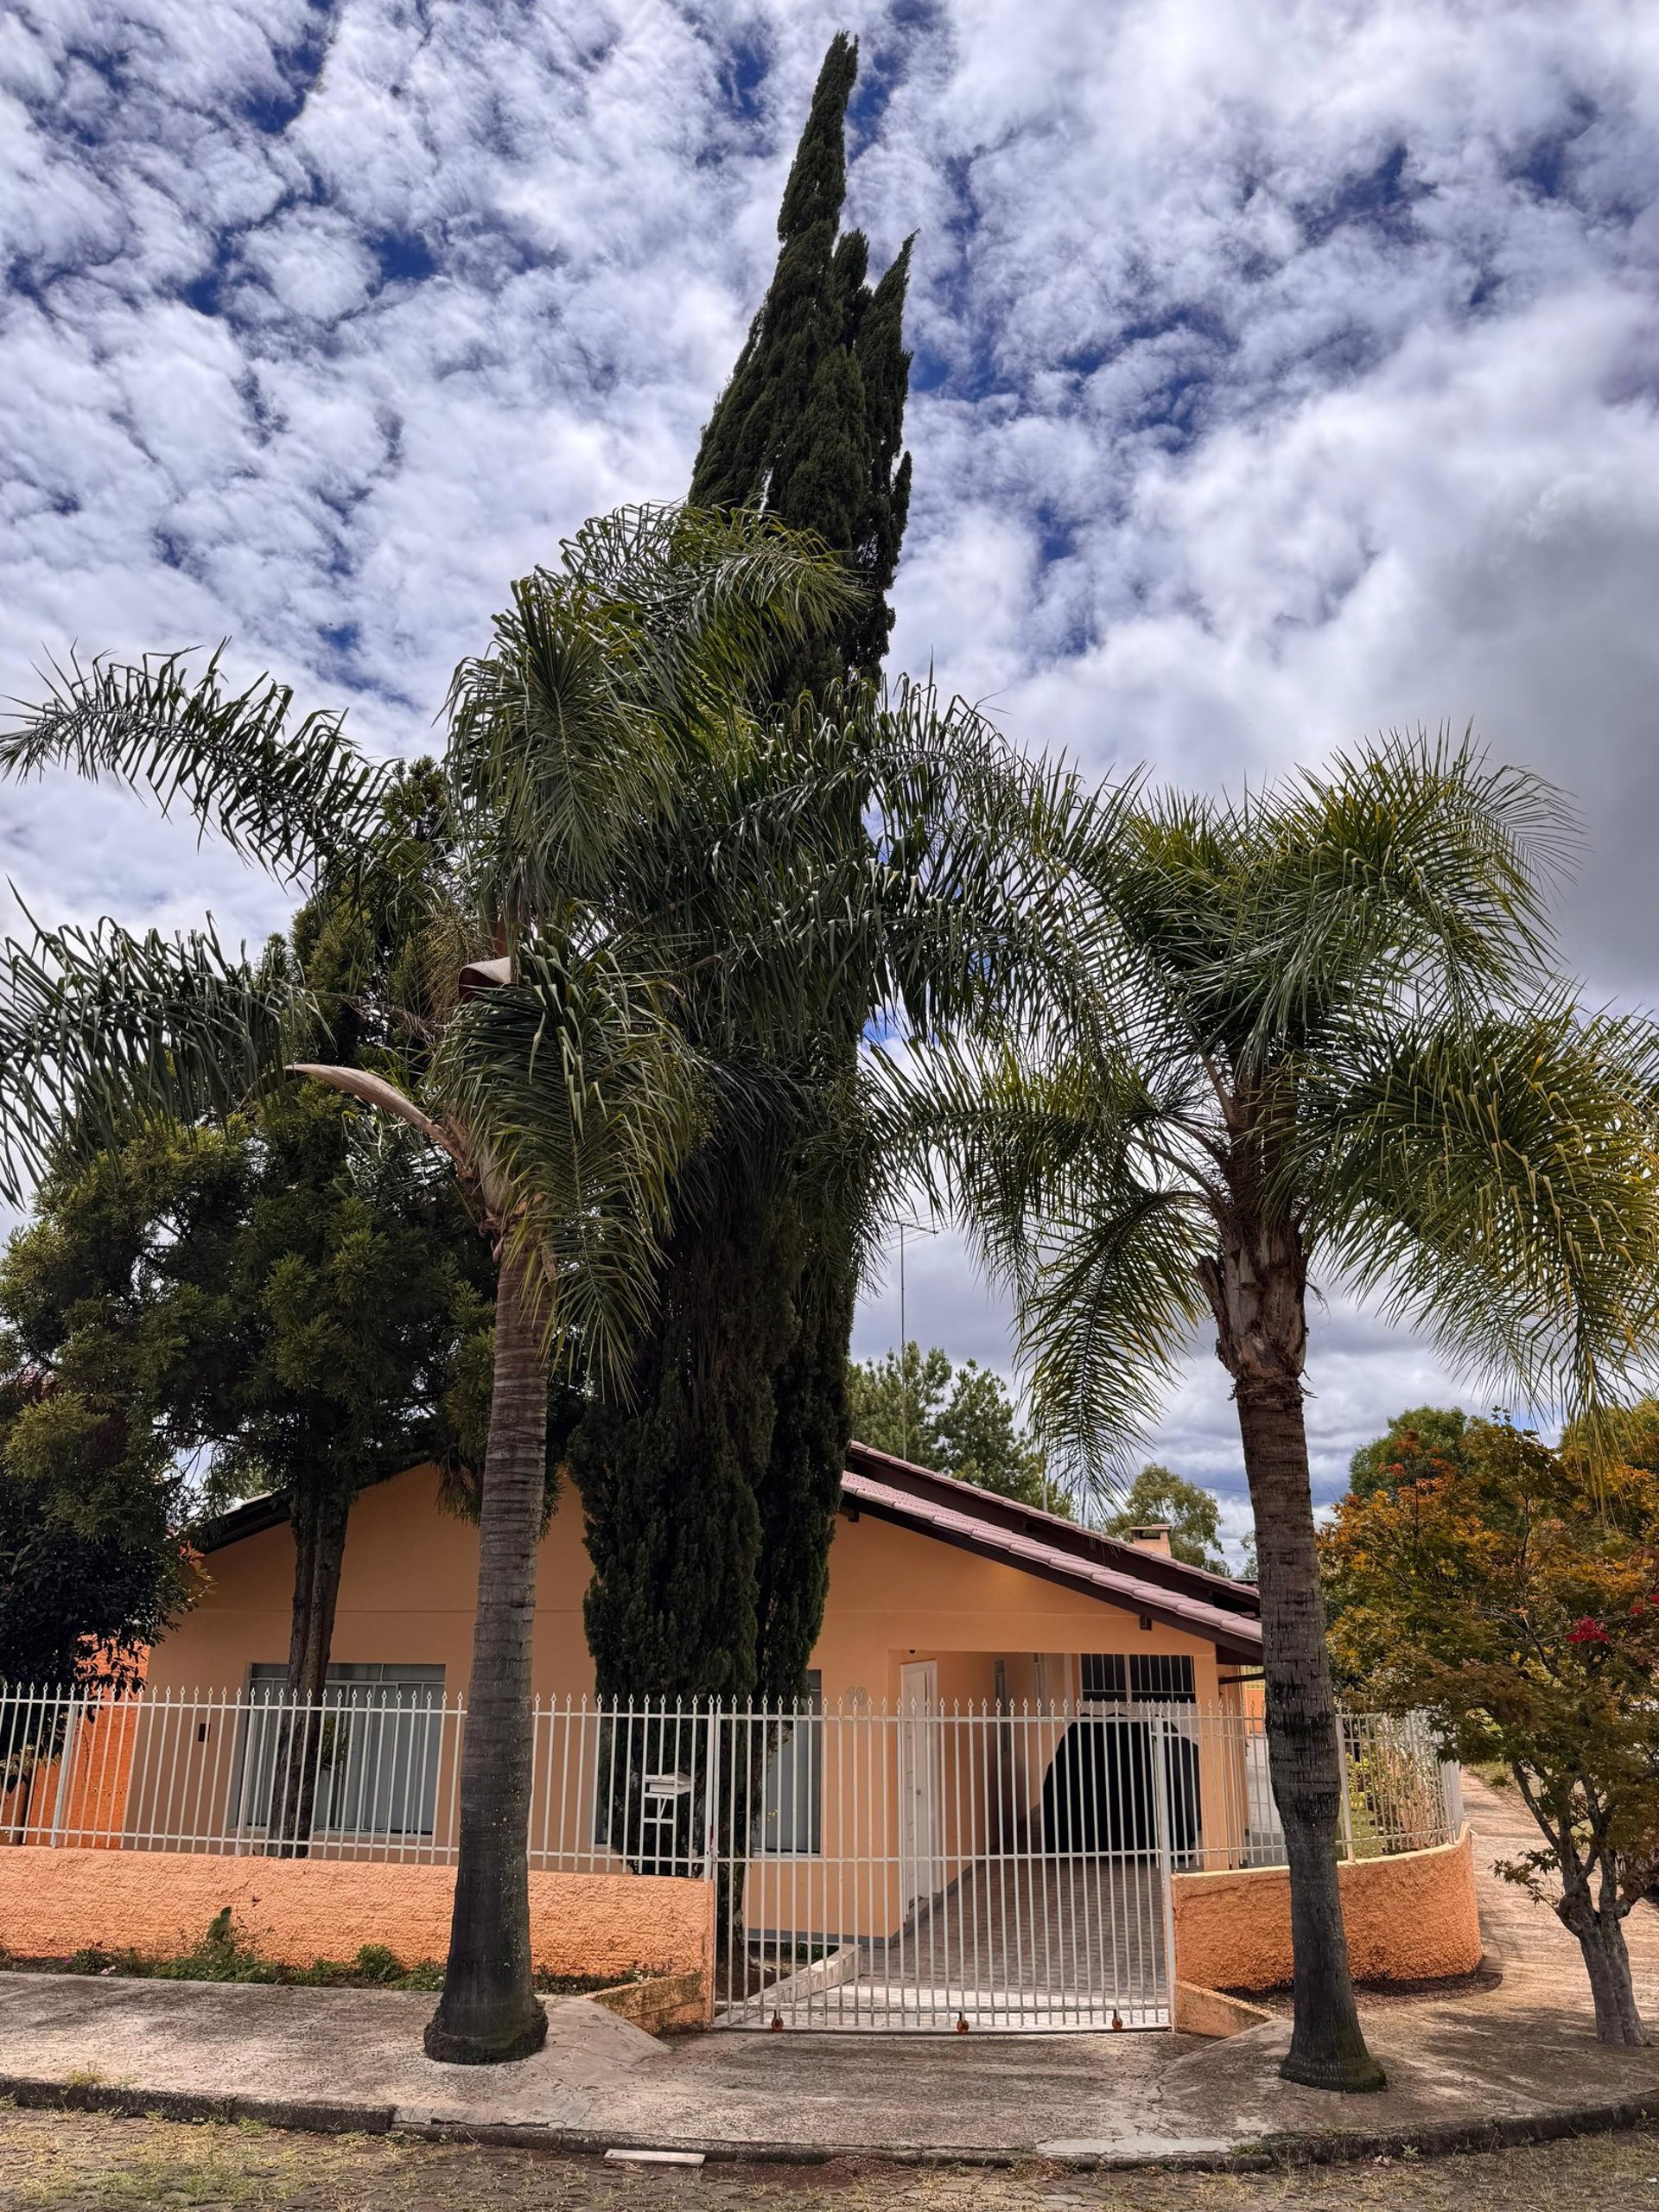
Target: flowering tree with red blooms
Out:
[1516,1599]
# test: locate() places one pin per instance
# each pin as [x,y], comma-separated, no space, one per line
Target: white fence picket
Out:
[992,1867]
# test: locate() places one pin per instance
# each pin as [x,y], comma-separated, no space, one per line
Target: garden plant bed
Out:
[222,1955]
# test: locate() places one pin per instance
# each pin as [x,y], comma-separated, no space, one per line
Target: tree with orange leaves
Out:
[1515,1599]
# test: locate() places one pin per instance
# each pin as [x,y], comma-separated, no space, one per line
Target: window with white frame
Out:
[375,1745]
[788,1819]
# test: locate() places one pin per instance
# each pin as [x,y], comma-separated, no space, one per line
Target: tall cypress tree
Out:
[811,424]
[711,1503]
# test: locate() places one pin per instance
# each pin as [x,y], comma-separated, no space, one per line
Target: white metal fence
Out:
[1010,1869]
[370,1772]
[916,1867]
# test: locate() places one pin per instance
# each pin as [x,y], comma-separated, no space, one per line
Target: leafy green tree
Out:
[93,1564]
[1192,1516]
[279,1304]
[1517,1602]
[1326,1027]
[711,1496]
[982,1442]
[895,1401]
[958,1421]
[1411,1441]
[1416,1443]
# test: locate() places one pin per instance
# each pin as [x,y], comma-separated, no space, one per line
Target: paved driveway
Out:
[1538,1956]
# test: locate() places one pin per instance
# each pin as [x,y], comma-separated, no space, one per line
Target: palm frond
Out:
[1073,1182]
[283,793]
[583,1095]
[609,681]
[1414,867]
[1414,871]
[894,857]
[978,914]
[716,594]
[552,767]
[1103,1326]
[100,1029]
[371,1089]
[1499,1182]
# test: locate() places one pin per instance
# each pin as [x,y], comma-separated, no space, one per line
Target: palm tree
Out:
[1323,1029]
[522,1028]
[622,913]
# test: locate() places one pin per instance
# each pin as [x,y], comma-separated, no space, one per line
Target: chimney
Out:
[1150,1536]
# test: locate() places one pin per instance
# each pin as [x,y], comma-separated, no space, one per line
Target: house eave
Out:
[955,1513]
[1234,1635]
[251,1518]
[1061,1535]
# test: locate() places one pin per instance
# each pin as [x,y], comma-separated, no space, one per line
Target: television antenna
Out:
[916,1229]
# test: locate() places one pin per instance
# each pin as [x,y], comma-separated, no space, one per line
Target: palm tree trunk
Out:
[489,2010]
[1327,2049]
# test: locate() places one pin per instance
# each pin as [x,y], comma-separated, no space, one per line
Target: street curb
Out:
[306,2115]
[1337,2146]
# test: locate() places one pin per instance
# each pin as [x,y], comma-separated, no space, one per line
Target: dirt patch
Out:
[89,2163]
[1381,1996]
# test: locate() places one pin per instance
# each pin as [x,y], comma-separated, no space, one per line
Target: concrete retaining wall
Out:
[1409,1918]
[53,1903]
[663,2005]
[1195,2011]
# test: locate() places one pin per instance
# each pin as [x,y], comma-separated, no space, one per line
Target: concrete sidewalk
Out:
[352,2058]
[1499,2061]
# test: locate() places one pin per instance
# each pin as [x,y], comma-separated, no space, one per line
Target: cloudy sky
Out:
[1283,373]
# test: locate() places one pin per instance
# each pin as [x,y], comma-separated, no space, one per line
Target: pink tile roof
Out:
[1166,1590]
[1226,1613]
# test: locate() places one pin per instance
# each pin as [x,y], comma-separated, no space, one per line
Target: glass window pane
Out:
[376,1746]
[790,1817]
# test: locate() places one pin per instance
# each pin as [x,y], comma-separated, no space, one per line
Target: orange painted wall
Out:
[53,1903]
[89,1803]
[406,1596]
[895,1597]
[1410,1919]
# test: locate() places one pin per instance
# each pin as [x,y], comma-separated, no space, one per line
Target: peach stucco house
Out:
[944,1598]
[939,1593]
[1028,1743]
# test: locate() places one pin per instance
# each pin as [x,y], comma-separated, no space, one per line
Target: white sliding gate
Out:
[939,1871]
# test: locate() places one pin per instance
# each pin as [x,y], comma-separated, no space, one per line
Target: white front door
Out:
[918,1780]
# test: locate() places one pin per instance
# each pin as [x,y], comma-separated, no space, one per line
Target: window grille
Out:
[1137,1678]
[1105,1678]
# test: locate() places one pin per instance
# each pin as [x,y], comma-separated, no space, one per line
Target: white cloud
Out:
[1284,372]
